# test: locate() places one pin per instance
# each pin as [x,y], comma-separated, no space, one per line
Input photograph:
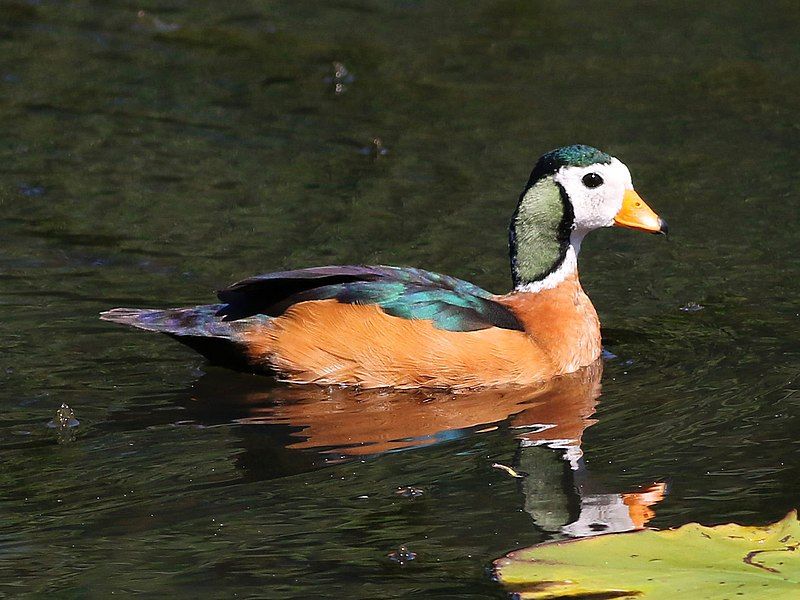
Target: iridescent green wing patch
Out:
[450,303]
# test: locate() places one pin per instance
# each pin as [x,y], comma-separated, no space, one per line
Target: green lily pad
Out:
[692,561]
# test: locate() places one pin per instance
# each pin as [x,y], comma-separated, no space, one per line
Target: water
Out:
[148,159]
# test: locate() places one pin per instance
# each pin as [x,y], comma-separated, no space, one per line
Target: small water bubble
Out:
[31,191]
[340,71]
[340,78]
[691,307]
[375,150]
[402,555]
[65,423]
[149,23]
[409,491]
[64,419]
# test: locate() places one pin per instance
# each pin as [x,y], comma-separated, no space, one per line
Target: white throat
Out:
[567,267]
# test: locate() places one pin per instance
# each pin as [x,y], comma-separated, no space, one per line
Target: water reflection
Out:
[564,500]
[348,423]
[288,429]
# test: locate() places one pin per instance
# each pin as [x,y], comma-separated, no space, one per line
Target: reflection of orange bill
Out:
[635,214]
[639,503]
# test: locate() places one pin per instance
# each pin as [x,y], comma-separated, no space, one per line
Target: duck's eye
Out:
[592,180]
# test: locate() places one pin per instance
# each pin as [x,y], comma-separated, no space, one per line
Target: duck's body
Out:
[407,328]
[328,342]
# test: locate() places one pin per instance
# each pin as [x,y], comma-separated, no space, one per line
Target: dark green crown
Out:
[576,155]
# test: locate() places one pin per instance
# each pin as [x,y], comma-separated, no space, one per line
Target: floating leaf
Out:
[712,563]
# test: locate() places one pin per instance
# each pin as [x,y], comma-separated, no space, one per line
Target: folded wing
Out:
[450,303]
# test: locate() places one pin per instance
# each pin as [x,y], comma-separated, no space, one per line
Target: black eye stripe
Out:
[592,180]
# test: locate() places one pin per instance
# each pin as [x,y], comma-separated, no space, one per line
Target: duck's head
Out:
[571,191]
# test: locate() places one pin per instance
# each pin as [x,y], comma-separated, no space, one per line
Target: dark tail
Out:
[198,327]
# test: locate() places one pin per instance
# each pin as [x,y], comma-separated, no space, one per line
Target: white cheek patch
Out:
[595,207]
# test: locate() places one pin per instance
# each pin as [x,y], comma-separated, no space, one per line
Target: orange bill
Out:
[635,214]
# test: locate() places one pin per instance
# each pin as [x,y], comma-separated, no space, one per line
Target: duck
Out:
[406,328]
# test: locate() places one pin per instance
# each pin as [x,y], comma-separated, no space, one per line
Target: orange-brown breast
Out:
[328,342]
[561,320]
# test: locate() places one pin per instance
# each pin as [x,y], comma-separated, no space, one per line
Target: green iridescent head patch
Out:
[576,155]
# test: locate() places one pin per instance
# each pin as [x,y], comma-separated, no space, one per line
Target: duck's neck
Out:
[562,267]
[543,243]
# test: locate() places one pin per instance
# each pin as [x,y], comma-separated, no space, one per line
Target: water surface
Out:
[147,159]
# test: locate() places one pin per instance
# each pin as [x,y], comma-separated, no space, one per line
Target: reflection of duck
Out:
[564,499]
[560,493]
[408,328]
[549,420]
[284,430]
[348,422]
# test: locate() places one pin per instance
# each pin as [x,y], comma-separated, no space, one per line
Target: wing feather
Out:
[450,303]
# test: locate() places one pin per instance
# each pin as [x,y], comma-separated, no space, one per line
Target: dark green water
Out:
[148,160]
